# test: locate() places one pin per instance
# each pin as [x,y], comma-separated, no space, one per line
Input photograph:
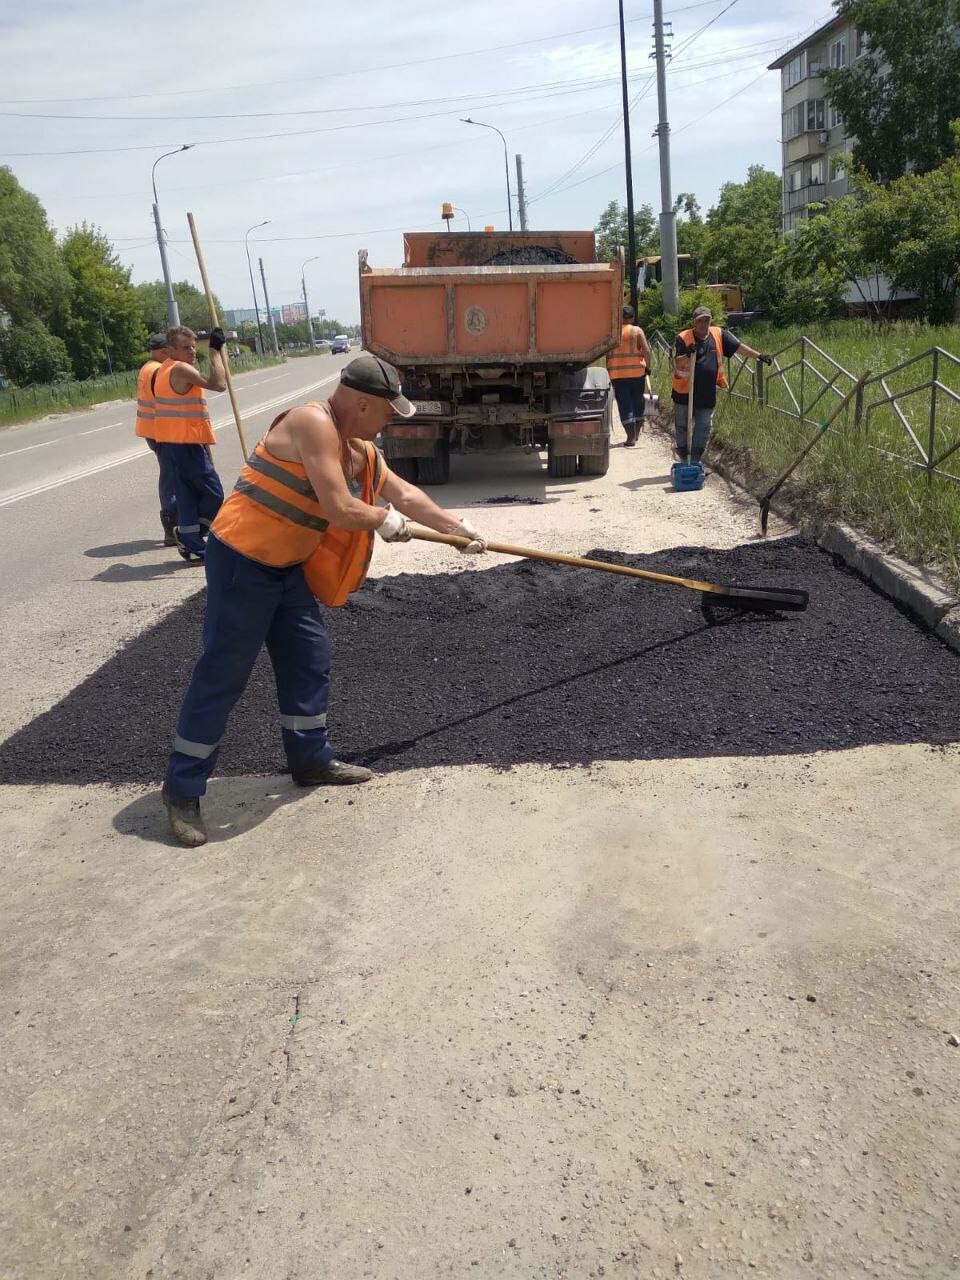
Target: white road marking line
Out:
[18,496]
[93,430]
[46,444]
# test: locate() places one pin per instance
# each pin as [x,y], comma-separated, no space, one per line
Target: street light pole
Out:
[253,287]
[270,325]
[173,313]
[306,303]
[506,162]
[631,229]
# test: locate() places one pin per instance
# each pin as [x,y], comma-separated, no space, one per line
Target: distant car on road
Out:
[340,345]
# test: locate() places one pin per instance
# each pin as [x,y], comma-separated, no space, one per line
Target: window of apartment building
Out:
[837,171]
[859,44]
[833,117]
[795,70]
[817,172]
[794,178]
[805,117]
[815,113]
[838,53]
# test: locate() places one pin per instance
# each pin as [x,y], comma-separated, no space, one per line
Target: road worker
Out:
[145,424]
[183,433]
[712,346]
[627,365]
[297,530]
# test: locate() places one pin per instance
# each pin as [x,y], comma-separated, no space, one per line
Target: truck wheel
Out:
[562,466]
[435,470]
[595,464]
[405,468]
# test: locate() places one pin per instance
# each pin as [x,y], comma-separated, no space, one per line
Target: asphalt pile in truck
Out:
[531,662]
[533,255]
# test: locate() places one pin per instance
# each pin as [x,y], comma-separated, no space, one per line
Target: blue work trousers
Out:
[167,485]
[198,489]
[702,424]
[631,403]
[249,604]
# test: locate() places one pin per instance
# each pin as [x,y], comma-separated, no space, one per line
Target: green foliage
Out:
[191,303]
[29,352]
[691,228]
[651,315]
[898,99]
[611,231]
[103,308]
[33,280]
[743,232]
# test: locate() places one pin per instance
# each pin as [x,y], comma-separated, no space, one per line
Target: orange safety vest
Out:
[179,418]
[681,381]
[146,409]
[626,360]
[273,516]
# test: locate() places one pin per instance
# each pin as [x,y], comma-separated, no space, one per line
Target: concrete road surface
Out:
[664,1018]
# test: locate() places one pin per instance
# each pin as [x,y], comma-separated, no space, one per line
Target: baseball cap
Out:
[702,311]
[375,377]
[157,340]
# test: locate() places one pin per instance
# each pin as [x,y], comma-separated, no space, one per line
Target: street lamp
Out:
[173,314]
[303,282]
[253,288]
[457,209]
[506,162]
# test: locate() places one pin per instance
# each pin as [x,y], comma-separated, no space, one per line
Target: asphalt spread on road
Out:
[528,662]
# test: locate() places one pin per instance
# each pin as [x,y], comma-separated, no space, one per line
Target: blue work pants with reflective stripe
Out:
[167,486]
[198,489]
[630,394]
[249,605]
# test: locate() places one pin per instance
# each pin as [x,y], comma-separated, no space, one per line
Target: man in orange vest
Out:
[146,413]
[296,530]
[183,432]
[712,346]
[627,365]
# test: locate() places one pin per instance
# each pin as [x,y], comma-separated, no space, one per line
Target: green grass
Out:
[24,404]
[848,474]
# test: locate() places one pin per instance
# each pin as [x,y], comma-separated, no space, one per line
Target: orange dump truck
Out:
[493,335]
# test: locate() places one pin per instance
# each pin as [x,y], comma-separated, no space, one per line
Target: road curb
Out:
[921,592]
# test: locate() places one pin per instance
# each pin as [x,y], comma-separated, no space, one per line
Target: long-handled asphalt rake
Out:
[715,597]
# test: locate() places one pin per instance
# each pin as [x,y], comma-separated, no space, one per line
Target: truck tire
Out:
[405,468]
[562,466]
[596,464]
[435,470]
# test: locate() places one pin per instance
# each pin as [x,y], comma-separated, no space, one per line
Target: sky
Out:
[347,120]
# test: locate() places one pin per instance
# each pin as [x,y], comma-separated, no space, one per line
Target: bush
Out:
[651,315]
[816,298]
[29,352]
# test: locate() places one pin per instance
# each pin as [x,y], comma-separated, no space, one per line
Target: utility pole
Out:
[628,159]
[521,194]
[306,301]
[266,302]
[668,219]
[173,313]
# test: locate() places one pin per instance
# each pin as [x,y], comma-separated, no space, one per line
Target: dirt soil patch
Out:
[533,663]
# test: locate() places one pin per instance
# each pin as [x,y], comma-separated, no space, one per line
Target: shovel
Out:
[714,596]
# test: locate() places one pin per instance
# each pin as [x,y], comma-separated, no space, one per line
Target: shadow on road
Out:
[644,482]
[231,808]
[124,548]
[148,572]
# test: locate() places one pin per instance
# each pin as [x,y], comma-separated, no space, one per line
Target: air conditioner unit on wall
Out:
[823,138]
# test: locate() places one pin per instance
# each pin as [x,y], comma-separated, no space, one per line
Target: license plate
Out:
[428,406]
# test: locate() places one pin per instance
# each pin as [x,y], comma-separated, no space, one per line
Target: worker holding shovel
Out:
[296,531]
[707,345]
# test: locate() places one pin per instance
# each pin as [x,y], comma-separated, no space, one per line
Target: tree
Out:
[30,353]
[33,280]
[899,98]
[191,303]
[743,232]
[611,231]
[102,325]
[691,228]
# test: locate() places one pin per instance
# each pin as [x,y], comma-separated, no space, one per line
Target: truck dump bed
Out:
[449,305]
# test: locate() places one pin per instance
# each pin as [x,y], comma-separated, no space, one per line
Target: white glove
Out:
[396,527]
[477,544]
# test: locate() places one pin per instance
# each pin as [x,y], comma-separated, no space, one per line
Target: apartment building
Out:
[813,136]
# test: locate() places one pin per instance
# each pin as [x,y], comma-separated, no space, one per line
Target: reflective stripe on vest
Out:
[179,419]
[681,381]
[145,404]
[626,360]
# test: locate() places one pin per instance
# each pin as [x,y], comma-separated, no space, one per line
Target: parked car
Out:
[340,345]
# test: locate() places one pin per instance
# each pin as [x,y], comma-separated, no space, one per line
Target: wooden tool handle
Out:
[214,322]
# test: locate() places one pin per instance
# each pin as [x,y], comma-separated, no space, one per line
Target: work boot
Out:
[186,820]
[189,554]
[169,523]
[333,773]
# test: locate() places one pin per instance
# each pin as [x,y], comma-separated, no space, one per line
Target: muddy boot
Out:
[169,521]
[191,554]
[186,820]
[333,773]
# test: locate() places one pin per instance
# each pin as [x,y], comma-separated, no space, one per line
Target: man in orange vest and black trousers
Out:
[627,365]
[712,345]
[183,432]
[297,530]
[146,414]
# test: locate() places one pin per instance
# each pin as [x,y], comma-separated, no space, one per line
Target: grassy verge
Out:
[24,404]
[851,474]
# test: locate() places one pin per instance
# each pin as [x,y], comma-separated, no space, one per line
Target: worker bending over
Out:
[712,345]
[146,415]
[183,434]
[627,365]
[296,530]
